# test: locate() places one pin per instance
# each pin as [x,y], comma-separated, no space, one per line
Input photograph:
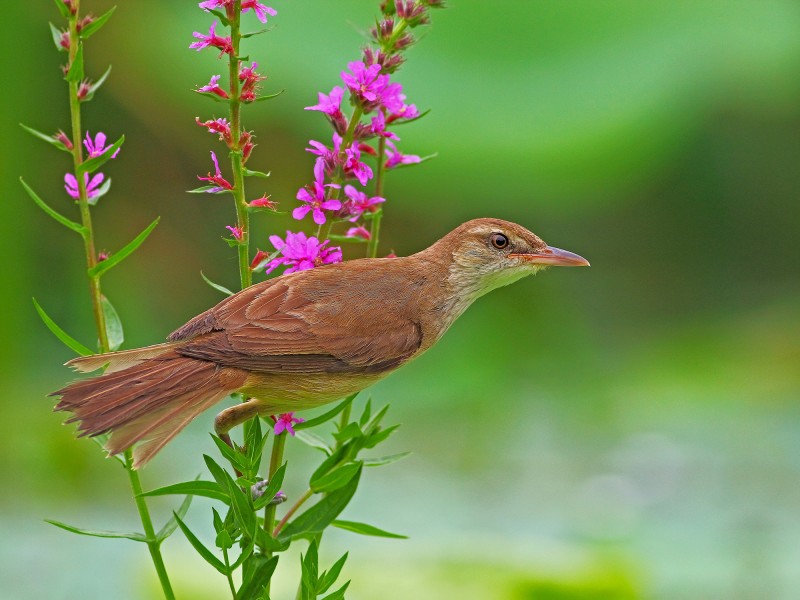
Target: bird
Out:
[299,340]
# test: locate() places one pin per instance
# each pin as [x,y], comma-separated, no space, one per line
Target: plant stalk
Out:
[96,296]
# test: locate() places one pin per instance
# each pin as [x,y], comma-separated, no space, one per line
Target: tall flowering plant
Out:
[345,201]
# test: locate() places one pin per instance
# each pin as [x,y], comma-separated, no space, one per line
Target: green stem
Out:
[300,501]
[375,227]
[96,295]
[237,162]
[228,573]
[275,461]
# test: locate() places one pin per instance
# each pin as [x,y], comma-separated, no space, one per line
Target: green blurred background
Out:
[626,431]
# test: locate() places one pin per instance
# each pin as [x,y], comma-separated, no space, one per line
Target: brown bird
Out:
[300,340]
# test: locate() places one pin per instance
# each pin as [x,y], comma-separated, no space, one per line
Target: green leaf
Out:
[273,487]
[343,238]
[379,436]
[91,165]
[96,85]
[337,478]
[216,286]
[338,594]
[101,191]
[254,588]
[113,325]
[204,189]
[136,537]
[348,433]
[56,33]
[237,459]
[327,416]
[252,33]
[172,524]
[62,8]
[207,489]
[221,16]
[242,508]
[319,516]
[68,340]
[384,460]
[76,227]
[269,96]
[207,555]
[365,529]
[125,252]
[309,566]
[330,576]
[95,25]
[312,439]
[366,413]
[373,425]
[214,97]
[249,173]
[47,138]
[75,73]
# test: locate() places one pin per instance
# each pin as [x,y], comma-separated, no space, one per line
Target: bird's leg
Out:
[236,415]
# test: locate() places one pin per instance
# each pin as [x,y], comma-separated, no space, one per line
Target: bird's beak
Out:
[554,257]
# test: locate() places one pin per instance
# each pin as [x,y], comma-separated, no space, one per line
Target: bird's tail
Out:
[145,397]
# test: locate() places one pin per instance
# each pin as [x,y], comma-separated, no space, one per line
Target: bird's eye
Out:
[499,241]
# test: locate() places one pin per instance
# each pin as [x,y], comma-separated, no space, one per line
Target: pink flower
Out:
[236,232]
[365,83]
[250,78]
[285,422]
[221,183]
[92,187]
[258,259]
[358,203]
[396,158]
[331,104]
[263,202]
[97,146]
[213,87]
[314,196]
[358,232]
[300,252]
[62,137]
[391,96]
[260,10]
[212,39]
[218,126]
[379,127]
[353,165]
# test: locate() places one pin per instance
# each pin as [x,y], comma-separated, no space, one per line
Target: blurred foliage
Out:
[647,406]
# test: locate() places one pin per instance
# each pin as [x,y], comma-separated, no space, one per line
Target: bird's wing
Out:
[309,323]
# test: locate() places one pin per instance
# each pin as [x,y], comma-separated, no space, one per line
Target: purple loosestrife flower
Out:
[212,39]
[213,87]
[331,104]
[285,422]
[354,167]
[97,146]
[314,196]
[218,126]
[358,232]
[391,96]
[263,202]
[250,78]
[395,158]
[222,184]
[379,127]
[236,232]
[358,203]
[301,253]
[92,187]
[259,9]
[365,83]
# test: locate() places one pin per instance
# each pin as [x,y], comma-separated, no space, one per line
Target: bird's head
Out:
[489,253]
